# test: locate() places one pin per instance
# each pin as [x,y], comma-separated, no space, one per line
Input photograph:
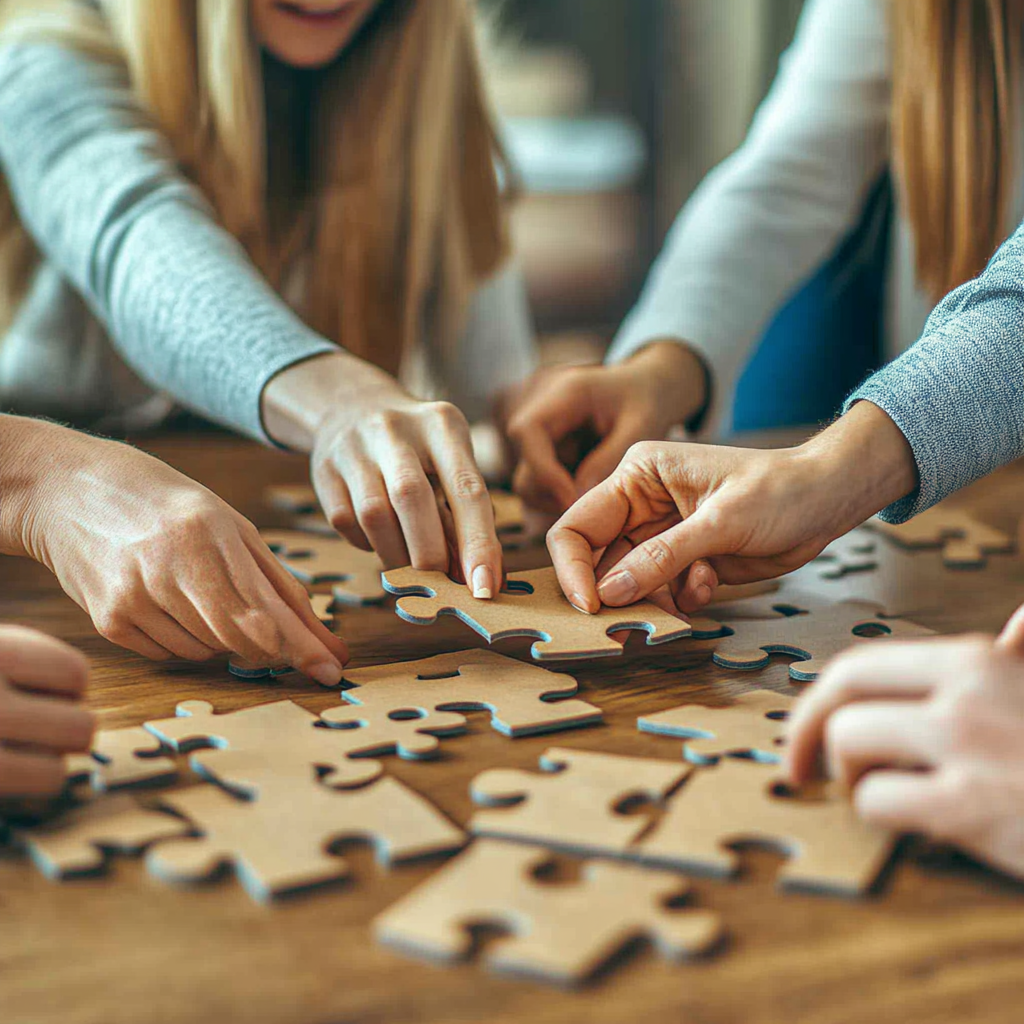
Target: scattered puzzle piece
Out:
[559,932]
[122,757]
[809,629]
[856,551]
[830,849]
[242,669]
[965,541]
[297,498]
[281,736]
[78,841]
[280,841]
[533,605]
[575,808]
[355,574]
[751,726]
[520,697]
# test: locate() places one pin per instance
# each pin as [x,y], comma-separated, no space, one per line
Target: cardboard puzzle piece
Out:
[965,542]
[854,552]
[299,499]
[562,933]
[280,736]
[281,841]
[751,726]
[523,700]
[354,573]
[830,849]
[122,757]
[809,629]
[532,605]
[79,840]
[575,803]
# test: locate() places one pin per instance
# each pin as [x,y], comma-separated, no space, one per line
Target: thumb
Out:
[657,561]
[1012,637]
[602,461]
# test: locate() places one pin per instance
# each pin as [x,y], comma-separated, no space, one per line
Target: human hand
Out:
[611,407]
[928,736]
[162,565]
[42,682]
[377,455]
[750,514]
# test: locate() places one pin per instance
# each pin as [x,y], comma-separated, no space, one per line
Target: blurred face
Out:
[308,33]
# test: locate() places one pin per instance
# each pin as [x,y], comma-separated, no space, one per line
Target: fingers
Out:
[54,725]
[540,479]
[374,512]
[173,638]
[895,671]
[25,774]
[35,661]
[336,501]
[1012,636]
[480,553]
[865,736]
[695,588]
[603,460]
[906,801]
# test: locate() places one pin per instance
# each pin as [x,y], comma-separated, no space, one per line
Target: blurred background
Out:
[613,111]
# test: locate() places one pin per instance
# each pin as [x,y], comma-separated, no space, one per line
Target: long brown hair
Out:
[405,215]
[956,67]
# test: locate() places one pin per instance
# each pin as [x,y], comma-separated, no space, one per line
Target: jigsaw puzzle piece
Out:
[312,559]
[965,542]
[562,933]
[122,757]
[281,735]
[809,629]
[79,840]
[574,804]
[531,605]
[829,848]
[751,726]
[523,700]
[280,842]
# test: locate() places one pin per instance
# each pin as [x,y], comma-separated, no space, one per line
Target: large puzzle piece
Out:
[281,735]
[574,804]
[532,605]
[281,841]
[354,573]
[830,849]
[559,932]
[122,757]
[751,726]
[854,552]
[817,632]
[523,699]
[78,841]
[965,542]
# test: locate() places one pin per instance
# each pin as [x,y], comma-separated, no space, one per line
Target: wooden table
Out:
[944,942]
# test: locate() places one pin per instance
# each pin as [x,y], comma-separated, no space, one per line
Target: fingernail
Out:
[327,673]
[581,604]
[619,588]
[483,583]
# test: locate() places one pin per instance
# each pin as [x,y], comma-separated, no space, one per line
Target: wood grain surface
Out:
[942,942]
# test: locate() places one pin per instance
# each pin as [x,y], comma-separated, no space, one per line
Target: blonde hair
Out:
[956,68]
[404,214]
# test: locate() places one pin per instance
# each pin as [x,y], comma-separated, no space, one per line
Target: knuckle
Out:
[659,553]
[467,485]
[447,415]
[113,625]
[374,512]
[260,629]
[409,487]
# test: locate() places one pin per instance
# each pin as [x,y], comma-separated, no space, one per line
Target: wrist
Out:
[678,376]
[859,465]
[296,401]
[24,447]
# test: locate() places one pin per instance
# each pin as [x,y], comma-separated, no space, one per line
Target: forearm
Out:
[26,448]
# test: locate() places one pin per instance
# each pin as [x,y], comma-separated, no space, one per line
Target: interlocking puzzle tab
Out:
[532,605]
[280,842]
[562,933]
[808,628]
[574,804]
[523,699]
[751,726]
[122,757]
[280,735]
[965,542]
[354,573]
[80,839]
[830,849]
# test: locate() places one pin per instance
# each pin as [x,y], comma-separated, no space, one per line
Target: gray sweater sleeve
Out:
[958,394]
[98,188]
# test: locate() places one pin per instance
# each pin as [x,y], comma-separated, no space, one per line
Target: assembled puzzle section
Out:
[80,840]
[809,629]
[353,573]
[575,804]
[559,932]
[523,700]
[830,849]
[752,726]
[282,840]
[532,605]
[120,758]
[965,542]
